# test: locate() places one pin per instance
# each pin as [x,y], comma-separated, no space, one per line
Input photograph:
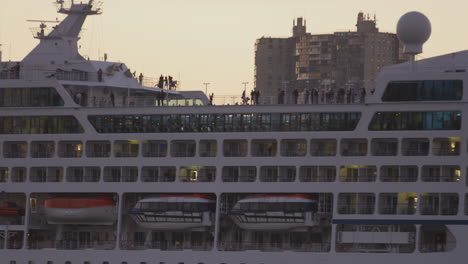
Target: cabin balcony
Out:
[11,239]
[126,149]
[278,174]
[398,203]
[42,149]
[98,149]
[415,147]
[293,147]
[70,149]
[239,174]
[120,174]
[183,148]
[399,173]
[446,146]
[355,173]
[441,174]
[439,204]
[18,174]
[317,174]
[354,147]
[46,174]
[352,203]
[197,174]
[384,147]
[235,148]
[208,148]
[154,148]
[15,150]
[323,147]
[264,147]
[4,174]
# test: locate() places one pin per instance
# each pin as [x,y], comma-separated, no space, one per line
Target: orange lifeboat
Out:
[11,209]
[99,210]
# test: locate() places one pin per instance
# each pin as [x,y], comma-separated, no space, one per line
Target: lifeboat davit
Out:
[80,210]
[275,212]
[174,212]
[11,209]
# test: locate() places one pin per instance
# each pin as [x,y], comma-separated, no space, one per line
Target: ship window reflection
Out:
[258,122]
[450,120]
[429,90]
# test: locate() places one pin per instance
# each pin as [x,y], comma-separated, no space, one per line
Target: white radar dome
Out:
[413,29]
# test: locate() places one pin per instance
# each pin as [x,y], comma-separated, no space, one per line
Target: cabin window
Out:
[435,173]
[208,148]
[340,121]
[358,173]
[439,204]
[42,149]
[40,125]
[98,149]
[323,147]
[183,148]
[15,149]
[126,149]
[384,147]
[399,173]
[29,97]
[354,147]
[70,149]
[293,147]
[429,90]
[388,121]
[264,147]
[4,172]
[446,146]
[154,148]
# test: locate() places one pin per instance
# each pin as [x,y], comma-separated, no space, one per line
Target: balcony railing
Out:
[15,155]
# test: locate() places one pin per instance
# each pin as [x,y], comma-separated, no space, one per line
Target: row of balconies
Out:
[349,173]
[399,203]
[233,148]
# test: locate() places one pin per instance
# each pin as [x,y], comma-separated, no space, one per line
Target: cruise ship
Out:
[98,166]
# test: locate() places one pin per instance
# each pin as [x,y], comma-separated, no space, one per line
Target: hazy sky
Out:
[213,40]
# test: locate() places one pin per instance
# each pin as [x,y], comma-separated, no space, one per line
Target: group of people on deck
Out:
[330,96]
[167,82]
[254,97]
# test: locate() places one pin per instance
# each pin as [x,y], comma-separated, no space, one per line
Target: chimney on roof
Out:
[299,27]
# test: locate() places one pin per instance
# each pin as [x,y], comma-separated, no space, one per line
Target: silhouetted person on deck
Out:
[140,78]
[211,98]
[99,75]
[161,82]
[295,95]
[165,82]
[112,99]
[363,95]
[257,96]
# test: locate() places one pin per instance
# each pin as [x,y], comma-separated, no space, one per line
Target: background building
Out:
[325,61]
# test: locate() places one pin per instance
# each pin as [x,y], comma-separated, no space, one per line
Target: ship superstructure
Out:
[99,167]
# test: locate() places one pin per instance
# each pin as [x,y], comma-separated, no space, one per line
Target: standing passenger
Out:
[99,75]
[140,78]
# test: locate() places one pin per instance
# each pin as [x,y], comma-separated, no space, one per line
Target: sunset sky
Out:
[213,40]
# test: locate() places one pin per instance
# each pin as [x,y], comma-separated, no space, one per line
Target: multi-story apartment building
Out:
[349,60]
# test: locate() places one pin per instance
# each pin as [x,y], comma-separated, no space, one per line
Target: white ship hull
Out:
[457,256]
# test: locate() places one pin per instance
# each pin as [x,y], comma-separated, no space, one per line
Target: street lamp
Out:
[206,87]
[245,85]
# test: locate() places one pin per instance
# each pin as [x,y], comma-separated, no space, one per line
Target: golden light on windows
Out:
[457,174]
